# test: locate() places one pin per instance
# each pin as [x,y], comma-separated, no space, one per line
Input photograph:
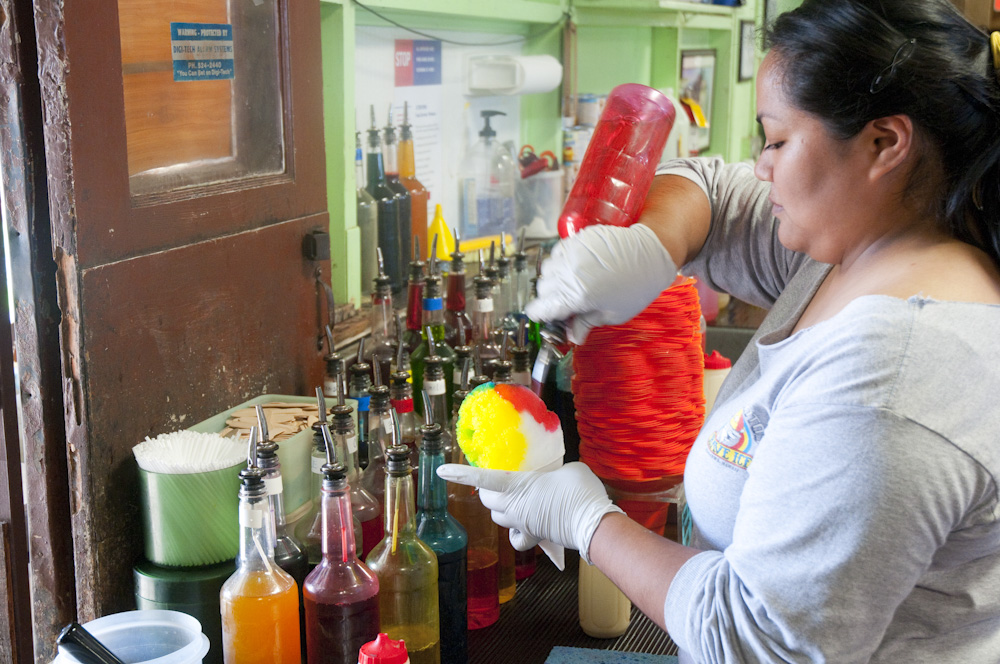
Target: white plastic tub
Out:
[148,637]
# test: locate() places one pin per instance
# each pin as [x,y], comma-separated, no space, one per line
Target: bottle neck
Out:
[482,320]
[379,437]
[381,318]
[390,159]
[456,291]
[432,491]
[414,305]
[439,408]
[359,169]
[338,523]
[256,526]
[399,508]
[275,498]
[346,447]
[376,173]
[407,164]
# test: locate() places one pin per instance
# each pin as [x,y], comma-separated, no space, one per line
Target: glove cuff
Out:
[594,520]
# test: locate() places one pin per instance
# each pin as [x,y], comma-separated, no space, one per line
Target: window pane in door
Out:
[191,121]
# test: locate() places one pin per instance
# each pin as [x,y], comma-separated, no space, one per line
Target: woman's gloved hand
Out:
[562,506]
[603,275]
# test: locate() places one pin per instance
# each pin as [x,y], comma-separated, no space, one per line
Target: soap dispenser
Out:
[487,188]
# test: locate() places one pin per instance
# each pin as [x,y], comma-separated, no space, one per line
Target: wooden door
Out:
[180,196]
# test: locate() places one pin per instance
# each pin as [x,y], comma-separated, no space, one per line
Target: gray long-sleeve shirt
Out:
[844,484]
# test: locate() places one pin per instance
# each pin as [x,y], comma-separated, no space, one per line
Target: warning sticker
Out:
[202,51]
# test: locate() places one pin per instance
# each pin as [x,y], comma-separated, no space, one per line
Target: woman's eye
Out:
[774,146]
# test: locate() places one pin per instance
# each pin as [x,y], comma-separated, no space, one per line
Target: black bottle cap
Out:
[397,460]
[379,397]
[334,471]
[504,371]
[431,437]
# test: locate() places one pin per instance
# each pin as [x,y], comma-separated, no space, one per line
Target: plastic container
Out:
[294,454]
[178,529]
[190,590]
[621,159]
[605,611]
[487,186]
[156,637]
[539,200]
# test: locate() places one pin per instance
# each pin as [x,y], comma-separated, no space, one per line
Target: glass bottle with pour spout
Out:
[390,156]
[412,336]
[382,346]
[367,216]
[406,567]
[388,206]
[521,279]
[259,602]
[382,432]
[482,558]
[309,529]
[503,373]
[408,177]
[401,397]
[447,538]
[361,382]
[504,302]
[482,320]
[289,553]
[433,322]
[341,593]
[457,324]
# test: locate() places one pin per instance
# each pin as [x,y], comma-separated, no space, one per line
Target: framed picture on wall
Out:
[748,32]
[697,89]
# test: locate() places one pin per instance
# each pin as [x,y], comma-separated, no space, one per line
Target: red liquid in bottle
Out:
[483,587]
[621,159]
[372,532]
[337,631]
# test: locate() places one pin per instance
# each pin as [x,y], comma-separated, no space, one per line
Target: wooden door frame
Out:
[44,532]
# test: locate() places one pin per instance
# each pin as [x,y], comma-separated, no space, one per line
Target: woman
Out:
[844,488]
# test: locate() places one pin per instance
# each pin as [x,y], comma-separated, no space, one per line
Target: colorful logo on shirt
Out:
[735,443]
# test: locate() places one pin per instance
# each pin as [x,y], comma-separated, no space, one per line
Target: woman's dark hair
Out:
[852,61]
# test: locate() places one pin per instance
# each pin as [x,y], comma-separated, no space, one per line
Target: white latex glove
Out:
[603,275]
[562,506]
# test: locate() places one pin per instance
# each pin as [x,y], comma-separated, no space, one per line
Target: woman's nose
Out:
[762,169]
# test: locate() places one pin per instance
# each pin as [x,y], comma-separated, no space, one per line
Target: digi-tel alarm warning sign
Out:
[202,51]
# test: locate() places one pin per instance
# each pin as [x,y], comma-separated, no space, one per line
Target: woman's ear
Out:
[890,140]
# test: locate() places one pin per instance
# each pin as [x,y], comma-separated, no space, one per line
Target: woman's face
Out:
[818,183]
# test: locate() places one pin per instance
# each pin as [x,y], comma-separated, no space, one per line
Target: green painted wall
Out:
[618,41]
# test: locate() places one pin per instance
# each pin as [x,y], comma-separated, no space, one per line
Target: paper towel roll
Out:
[512,74]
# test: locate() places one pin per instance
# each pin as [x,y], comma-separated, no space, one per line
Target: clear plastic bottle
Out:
[408,177]
[341,593]
[259,602]
[487,190]
[447,538]
[621,159]
[406,568]
[367,217]
[482,324]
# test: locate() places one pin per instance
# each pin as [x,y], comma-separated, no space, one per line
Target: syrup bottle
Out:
[483,557]
[457,324]
[361,382]
[382,348]
[289,554]
[341,593]
[381,434]
[433,311]
[390,156]
[388,209]
[367,216]
[259,602]
[414,304]
[408,177]
[406,568]
[447,538]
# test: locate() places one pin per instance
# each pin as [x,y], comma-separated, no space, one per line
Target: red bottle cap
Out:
[383,650]
[717,361]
